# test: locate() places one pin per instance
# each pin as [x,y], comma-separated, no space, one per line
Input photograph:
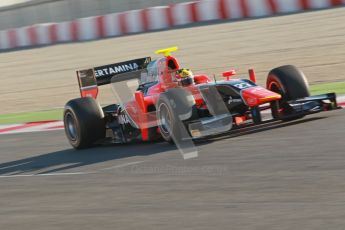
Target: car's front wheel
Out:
[291,83]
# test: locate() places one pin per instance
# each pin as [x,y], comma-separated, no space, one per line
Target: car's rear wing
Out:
[90,79]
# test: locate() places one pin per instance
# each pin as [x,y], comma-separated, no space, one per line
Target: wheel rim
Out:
[275,87]
[71,127]
[282,104]
[164,119]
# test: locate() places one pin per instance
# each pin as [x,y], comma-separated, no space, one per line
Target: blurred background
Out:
[38,63]
[19,13]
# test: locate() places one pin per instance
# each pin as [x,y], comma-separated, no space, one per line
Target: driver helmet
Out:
[185,76]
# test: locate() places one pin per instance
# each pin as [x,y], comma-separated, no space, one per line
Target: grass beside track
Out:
[336,87]
[16,118]
[56,114]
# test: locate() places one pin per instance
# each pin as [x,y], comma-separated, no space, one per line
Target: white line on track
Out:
[23,175]
[16,165]
[123,165]
[72,173]
[47,174]
[64,174]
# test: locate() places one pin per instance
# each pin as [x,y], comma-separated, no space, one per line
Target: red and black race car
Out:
[164,106]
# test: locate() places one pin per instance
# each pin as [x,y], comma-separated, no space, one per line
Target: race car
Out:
[170,103]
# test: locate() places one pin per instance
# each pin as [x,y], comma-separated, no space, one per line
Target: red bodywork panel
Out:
[252,75]
[201,79]
[90,92]
[229,74]
[258,95]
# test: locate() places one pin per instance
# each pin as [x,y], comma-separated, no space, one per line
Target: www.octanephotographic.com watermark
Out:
[173,170]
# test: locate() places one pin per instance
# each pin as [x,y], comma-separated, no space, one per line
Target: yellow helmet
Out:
[184,76]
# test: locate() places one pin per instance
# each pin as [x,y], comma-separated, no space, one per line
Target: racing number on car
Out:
[243,85]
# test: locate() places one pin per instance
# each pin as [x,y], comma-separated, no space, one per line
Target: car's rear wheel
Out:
[175,107]
[291,83]
[84,122]
[167,120]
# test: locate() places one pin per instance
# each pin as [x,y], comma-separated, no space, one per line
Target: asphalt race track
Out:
[281,176]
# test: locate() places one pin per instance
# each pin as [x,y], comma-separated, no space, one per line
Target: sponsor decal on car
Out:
[234,100]
[111,70]
[123,119]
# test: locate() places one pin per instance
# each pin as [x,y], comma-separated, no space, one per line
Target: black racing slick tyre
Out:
[84,122]
[167,119]
[292,84]
[173,108]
